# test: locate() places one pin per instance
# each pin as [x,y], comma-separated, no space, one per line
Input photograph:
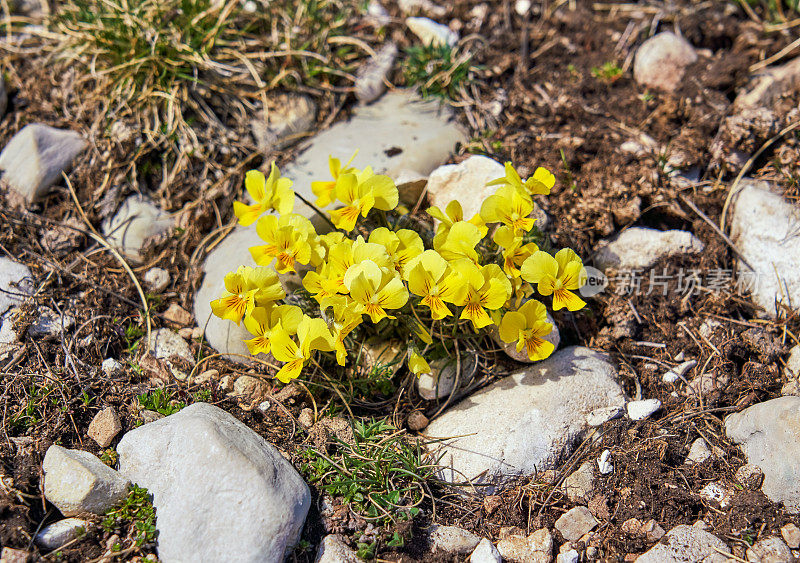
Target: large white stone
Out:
[766,230]
[640,248]
[58,533]
[686,544]
[425,135]
[77,482]
[137,221]
[15,283]
[661,61]
[527,421]
[35,157]
[464,182]
[432,33]
[769,435]
[221,492]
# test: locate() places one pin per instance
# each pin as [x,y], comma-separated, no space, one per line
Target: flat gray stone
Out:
[221,492]
[527,421]
[766,230]
[452,539]
[640,248]
[578,485]
[686,544]
[661,61]
[137,221]
[769,435]
[423,131]
[77,482]
[333,550]
[535,548]
[64,531]
[15,283]
[166,344]
[771,549]
[576,522]
[35,157]
[485,552]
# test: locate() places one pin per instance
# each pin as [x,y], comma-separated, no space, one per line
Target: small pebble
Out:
[699,452]
[156,279]
[678,371]
[104,427]
[486,552]
[150,416]
[602,415]
[603,464]
[639,410]
[750,476]
[571,556]
[178,315]
[112,368]
[59,533]
[306,418]
[417,421]
[204,377]
[791,535]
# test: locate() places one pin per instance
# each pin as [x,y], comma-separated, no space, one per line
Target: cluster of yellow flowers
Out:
[479,270]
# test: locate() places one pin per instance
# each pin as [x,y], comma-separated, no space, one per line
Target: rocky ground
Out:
[666,427]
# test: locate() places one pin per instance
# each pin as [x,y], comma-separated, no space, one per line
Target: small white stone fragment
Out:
[104,427]
[333,550]
[432,33]
[50,323]
[602,415]
[15,283]
[59,533]
[156,279]
[378,14]
[576,522]
[718,493]
[698,452]
[486,552]
[604,465]
[112,368]
[372,77]
[165,344]
[452,539]
[77,482]
[570,556]
[522,7]
[677,372]
[661,61]
[639,410]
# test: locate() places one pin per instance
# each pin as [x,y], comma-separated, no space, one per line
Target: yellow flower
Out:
[541,182]
[245,289]
[325,190]
[453,213]
[510,207]
[289,239]
[375,289]
[432,278]
[487,288]
[402,246]
[556,277]
[359,196]
[527,327]
[417,364]
[422,333]
[460,242]
[312,334]
[345,319]
[514,252]
[262,320]
[273,192]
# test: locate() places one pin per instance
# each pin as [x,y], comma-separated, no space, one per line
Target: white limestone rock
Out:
[431,33]
[59,533]
[333,550]
[485,552]
[535,548]
[137,221]
[526,421]
[50,323]
[639,410]
[769,85]
[769,435]
[166,344]
[156,279]
[221,492]
[439,383]
[640,248]
[662,60]
[771,549]
[687,544]
[452,539]
[35,157]
[112,368]
[77,482]
[576,522]
[15,283]
[698,452]
[371,78]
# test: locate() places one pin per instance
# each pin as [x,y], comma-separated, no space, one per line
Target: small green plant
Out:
[202,396]
[568,172]
[35,404]
[133,333]
[160,401]
[437,70]
[380,475]
[366,551]
[109,457]
[135,513]
[608,73]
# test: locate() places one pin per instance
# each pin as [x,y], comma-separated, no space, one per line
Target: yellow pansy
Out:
[273,192]
[375,289]
[527,327]
[345,319]
[262,320]
[417,364]
[510,207]
[325,190]
[453,213]
[432,278]
[541,182]
[487,288]
[360,195]
[245,289]
[312,334]
[288,239]
[422,332]
[557,277]
[514,251]
[460,242]
[402,246]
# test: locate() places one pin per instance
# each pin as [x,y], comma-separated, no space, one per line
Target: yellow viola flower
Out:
[417,364]
[460,242]
[541,182]
[487,288]
[375,289]
[312,334]
[262,320]
[273,192]
[557,277]
[329,280]
[245,289]
[432,278]
[402,246]
[453,214]
[345,319]
[510,207]
[422,333]
[514,251]
[527,327]
[357,201]
[325,190]
[288,241]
